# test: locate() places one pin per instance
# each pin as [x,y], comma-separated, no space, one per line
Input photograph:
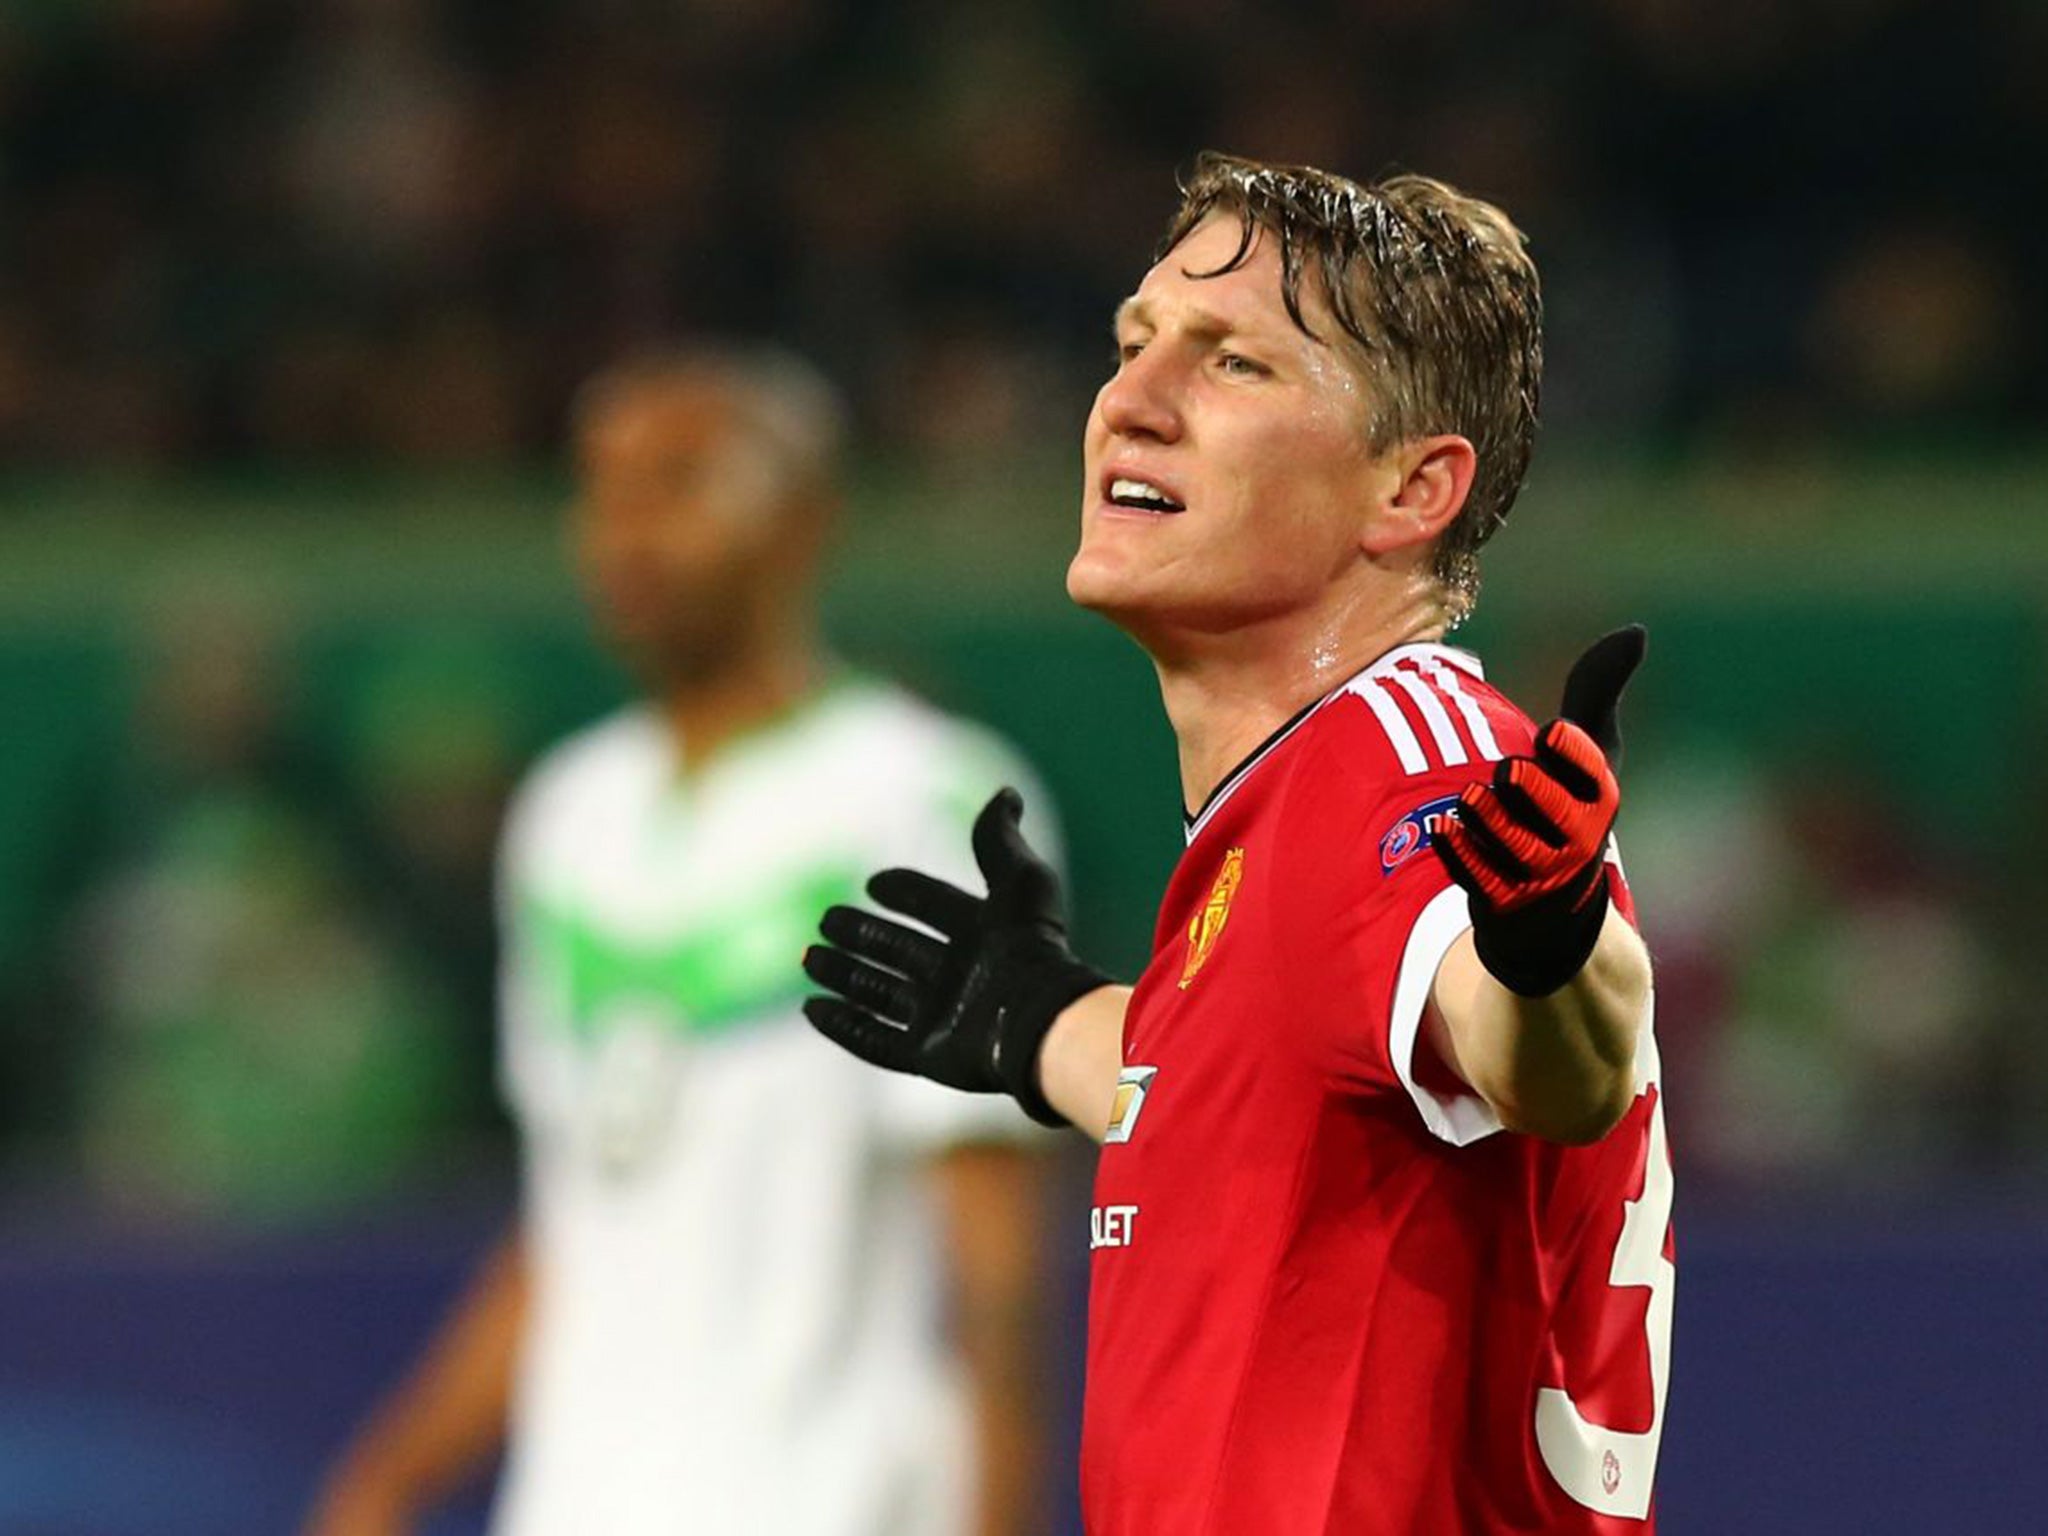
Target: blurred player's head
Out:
[1335,384]
[704,483]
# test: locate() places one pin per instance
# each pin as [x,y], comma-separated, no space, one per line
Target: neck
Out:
[1226,694]
[706,714]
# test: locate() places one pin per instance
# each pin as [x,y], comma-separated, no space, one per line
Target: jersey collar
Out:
[1464,661]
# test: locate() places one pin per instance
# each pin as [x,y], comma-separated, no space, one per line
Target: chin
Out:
[1093,583]
[1112,595]
[664,658]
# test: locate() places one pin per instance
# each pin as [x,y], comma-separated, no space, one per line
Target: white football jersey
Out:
[737,1322]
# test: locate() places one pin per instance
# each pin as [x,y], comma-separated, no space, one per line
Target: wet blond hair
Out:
[1439,305]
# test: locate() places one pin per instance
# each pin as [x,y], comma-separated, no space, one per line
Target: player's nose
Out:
[1141,400]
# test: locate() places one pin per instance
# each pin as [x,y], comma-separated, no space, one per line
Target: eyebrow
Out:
[1131,311]
[1204,324]
[1201,322]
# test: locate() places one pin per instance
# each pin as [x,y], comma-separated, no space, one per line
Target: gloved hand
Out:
[969,1009]
[1530,846]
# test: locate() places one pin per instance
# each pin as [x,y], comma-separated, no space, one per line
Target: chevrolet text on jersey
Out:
[1112,1226]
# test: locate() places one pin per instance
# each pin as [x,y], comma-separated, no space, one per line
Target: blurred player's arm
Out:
[444,1420]
[993,1201]
[1537,1006]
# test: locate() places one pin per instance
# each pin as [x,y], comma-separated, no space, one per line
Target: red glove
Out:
[1530,846]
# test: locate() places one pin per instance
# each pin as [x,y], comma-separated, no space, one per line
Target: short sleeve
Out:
[545,824]
[522,996]
[529,1080]
[1380,913]
[1451,1111]
[1409,914]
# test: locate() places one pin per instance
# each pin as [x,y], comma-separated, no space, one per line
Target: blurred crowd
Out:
[257,983]
[403,229]
[1844,1003]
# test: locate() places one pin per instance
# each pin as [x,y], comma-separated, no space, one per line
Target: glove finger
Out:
[1518,842]
[1534,801]
[1592,692]
[1457,861]
[1516,851]
[877,990]
[1018,878]
[915,954]
[1573,758]
[934,902]
[1471,869]
[857,1030]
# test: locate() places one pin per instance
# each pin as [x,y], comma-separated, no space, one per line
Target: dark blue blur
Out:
[1833,1374]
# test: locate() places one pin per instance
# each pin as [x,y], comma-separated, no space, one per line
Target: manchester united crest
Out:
[1207,927]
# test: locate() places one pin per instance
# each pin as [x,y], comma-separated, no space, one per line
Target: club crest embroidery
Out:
[1207,927]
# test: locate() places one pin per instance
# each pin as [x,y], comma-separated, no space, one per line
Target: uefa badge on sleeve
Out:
[1415,832]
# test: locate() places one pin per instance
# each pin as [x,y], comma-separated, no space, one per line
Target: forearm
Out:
[1009,1450]
[995,1203]
[1082,1055]
[1562,1066]
[448,1416]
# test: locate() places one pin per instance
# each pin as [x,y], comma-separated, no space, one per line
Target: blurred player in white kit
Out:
[754,1286]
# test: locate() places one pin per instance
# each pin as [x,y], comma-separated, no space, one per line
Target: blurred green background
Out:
[247,813]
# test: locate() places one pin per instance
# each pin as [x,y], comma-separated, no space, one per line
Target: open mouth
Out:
[1141,496]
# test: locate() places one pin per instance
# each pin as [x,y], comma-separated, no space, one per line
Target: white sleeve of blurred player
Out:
[526,1084]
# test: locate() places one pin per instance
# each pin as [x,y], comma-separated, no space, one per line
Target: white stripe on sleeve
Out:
[1475,718]
[1406,747]
[1426,700]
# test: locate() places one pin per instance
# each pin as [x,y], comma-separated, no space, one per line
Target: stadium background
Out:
[292,298]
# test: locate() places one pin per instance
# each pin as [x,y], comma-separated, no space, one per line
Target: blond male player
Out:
[1381,1226]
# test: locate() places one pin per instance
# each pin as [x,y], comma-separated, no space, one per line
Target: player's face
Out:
[677,521]
[1227,459]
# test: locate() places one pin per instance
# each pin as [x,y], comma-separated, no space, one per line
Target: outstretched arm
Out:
[966,993]
[443,1422]
[1537,1008]
[1560,1066]
[1082,1054]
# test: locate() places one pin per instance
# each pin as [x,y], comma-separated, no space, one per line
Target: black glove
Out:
[971,1009]
[1531,846]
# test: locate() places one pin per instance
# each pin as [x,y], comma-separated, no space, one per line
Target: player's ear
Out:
[1426,483]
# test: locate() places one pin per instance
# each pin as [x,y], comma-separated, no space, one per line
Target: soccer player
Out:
[1381,1224]
[719,1312]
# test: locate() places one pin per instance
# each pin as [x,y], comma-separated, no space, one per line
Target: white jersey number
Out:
[1607,1470]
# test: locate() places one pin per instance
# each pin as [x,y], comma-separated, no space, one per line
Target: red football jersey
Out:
[1330,1293]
